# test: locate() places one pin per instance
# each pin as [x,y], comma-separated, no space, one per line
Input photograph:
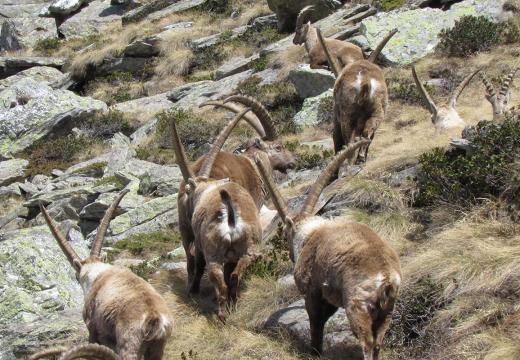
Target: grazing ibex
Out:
[501,101]
[444,116]
[88,351]
[340,264]
[344,52]
[121,310]
[221,223]
[241,169]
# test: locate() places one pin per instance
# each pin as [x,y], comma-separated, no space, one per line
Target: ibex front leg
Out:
[216,276]
[236,276]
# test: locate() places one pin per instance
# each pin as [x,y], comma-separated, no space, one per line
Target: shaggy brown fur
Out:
[340,264]
[121,311]
[219,224]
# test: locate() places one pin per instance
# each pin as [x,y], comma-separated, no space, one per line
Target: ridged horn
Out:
[90,351]
[103,225]
[379,48]
[506,84]
[260,111]
[332,62]
[253,121]
[67,249]
[278,199]
[424,93]
[180,154]
[207,165]
[54,351]
[326,174]
[302,16]
[459,89]
[490,89]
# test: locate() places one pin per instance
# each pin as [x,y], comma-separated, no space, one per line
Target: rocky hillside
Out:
[89,87]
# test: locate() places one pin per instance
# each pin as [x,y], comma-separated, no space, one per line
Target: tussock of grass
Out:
[372,195]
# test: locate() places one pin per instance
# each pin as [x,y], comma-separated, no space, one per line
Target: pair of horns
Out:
[315,190]
[67,249]
[208,162]
[303,15]
[336,68]
[504,87]
[265,129]
[434,109]
[89,351]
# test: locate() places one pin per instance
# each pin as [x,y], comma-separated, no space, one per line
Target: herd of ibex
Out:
[336,263]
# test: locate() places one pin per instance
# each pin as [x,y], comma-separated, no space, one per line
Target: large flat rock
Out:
[22,33]
[12,171]
[42,74]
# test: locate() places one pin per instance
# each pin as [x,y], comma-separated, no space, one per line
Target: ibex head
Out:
[499,102]
[83,267]
[302,25]
[444,116]
[280,158]
[293,222]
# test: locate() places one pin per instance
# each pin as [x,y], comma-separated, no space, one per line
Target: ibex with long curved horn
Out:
[500,102]
[121,310]
[444,116]
[306,34]
[84,351]
[220,221]
[340,264]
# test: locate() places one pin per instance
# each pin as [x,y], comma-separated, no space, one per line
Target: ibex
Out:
[340,264]
[241,169]
[501,101]
[444,116]
[89,351]
[121,310]
[344,52]
[222,222]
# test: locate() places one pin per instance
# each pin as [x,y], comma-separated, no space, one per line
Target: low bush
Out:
[103,126]
[274,261]
[454,176]
[473,34]
[309,157]
[405,91]
[217,6]
[47,46]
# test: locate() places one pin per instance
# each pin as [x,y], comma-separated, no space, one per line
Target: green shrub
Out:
[158,242]
[405,90]
[309,157]
[456,177]
[47,45]
[103,126]
[387,5]
[194,131]
[472,34]
[110,180]
[274,261]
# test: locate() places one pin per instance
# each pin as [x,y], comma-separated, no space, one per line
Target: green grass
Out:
[156,242]
[110,180]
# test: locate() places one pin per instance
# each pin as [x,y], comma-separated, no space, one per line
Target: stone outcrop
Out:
[21,33]
[316,110]
[311,82]
[43,74]
[12,171]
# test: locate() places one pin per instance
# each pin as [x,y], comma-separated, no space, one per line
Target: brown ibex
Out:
[501,101]
[222,223]
[444,116]
[84,351]
[344,52]
[340,264]
[121,310]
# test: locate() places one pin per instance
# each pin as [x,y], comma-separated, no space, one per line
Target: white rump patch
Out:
[374,85]
[357,84]
[227,233]
[378,280]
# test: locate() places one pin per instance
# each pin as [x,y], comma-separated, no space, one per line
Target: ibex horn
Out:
[424,93]
[379,48]
[490,89]
[180,154]
[332,62]
[278,199]
[54,351]
[259,110]
[460,88]
[90,351]
[506,84]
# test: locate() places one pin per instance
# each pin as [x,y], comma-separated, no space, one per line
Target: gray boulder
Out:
[32,110]
[12,171]
[65,7]
[234,66]
[151,45]
[21,8]
[287,10]
[22,33]
[11,65]
[42,74]
[338,339]
[92,19]
[311,82]
[419,28]
[179,6]
[142,11]
[316,110]
[145,108]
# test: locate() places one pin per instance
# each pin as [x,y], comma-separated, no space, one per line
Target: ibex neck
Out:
[311,40]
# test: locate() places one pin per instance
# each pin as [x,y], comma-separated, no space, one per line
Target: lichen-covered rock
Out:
[65,7]
[145,108]
[311,82]
[92,19]
[12,170]
[316,110]
[36,279]
[287,10]
[43,74]
[21,8]
[32,110]
[419,28]
[11,65]
[21,33]
[338,336]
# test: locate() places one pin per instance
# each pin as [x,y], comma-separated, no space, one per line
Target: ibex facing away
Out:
[444,116]
[340,264]
[344,52]
[121,310]
[501,101]
[223,221]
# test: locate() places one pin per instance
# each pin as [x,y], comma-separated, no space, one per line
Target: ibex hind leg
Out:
[216,276]
[234,285]
[228,270]
[200,264]
[154,350]
[319,311]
